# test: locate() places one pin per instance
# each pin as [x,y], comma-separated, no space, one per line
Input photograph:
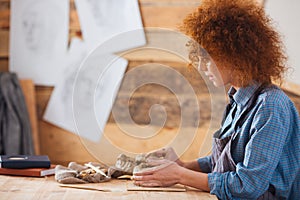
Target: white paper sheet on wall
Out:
[38,38]
[104,22]
[89,90]
[59,108]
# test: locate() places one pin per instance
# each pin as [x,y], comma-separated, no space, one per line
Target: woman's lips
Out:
[210,77]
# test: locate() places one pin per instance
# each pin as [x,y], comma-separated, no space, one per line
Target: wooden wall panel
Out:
[3,64]
[4,43]
[4,13]
[29,95]
[165,16]
[62,146]
[165,13]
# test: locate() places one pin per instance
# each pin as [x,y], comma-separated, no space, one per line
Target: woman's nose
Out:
[202,65]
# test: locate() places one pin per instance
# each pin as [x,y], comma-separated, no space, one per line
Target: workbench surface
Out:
[13,187]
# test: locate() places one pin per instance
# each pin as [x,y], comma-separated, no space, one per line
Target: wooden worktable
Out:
[14,188]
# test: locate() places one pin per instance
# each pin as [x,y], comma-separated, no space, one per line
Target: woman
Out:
[256,152]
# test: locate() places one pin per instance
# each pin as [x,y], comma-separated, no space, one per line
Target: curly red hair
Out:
[238,33]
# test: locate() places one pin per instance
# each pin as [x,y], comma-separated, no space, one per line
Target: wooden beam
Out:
[4,43]
[4,13]
[29,95]
[3,64]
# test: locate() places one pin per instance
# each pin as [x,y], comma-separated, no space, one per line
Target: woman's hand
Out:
[167,153]
[164,173]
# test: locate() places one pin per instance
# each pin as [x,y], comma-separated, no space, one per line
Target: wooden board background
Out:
[62,146]
[29,95]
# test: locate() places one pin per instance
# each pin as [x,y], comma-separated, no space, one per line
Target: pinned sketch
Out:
[117,23]
[59,108]
[38,38]
[88,87]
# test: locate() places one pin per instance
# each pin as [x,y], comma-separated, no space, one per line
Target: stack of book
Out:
[26,165]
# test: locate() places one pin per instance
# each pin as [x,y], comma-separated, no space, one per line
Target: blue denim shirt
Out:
[266,149]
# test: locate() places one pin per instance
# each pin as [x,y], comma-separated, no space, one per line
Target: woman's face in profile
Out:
[215,71]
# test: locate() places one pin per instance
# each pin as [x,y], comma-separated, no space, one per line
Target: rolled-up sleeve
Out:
[205,164]
[268,133]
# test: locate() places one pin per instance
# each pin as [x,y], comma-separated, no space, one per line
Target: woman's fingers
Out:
[154,166]
[143,178]
[157,153]
[144,172]
[148,183]
[157,162]
[162,175]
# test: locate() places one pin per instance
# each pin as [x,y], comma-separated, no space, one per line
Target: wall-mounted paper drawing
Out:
[38,38]
[59,108]
[88,89]
[103,20]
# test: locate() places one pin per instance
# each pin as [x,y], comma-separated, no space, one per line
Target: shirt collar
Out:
[243,94]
